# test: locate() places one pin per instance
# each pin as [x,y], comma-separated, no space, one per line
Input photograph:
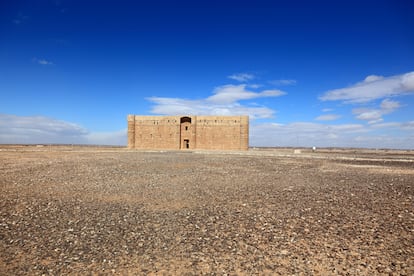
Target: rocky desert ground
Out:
[100,210]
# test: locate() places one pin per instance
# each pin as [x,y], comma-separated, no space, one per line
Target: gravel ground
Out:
[84,210]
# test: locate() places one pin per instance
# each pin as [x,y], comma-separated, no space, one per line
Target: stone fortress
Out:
[188,132]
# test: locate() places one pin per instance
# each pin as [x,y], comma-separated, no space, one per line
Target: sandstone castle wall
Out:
[188,132]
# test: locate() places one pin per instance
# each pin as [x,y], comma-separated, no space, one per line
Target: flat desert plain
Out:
[100,210]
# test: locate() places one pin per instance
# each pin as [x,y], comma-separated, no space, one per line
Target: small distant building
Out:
[188,132]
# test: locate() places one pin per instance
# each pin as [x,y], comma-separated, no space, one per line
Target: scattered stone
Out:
[82,211]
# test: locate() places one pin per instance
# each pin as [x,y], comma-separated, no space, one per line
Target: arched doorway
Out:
[185,133]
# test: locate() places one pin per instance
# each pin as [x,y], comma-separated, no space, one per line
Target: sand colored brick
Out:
[188,132]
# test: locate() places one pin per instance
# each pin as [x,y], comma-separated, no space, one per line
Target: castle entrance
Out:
[185,132]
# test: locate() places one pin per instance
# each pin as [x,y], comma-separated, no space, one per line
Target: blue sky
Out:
[308,73]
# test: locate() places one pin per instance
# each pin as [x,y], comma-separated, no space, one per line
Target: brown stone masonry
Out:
[188,132]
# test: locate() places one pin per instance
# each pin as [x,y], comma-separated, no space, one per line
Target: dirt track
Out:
[84,210]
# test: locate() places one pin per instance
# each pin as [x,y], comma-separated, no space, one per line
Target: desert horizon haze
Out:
[319,73]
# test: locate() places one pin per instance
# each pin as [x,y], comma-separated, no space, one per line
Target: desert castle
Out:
[188,132]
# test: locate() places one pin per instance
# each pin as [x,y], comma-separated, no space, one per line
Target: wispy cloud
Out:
[20,19]
[174,106]
[373,88]
[42,61]
[254,85]
[388,106]
[328,117]
[408,126]
[227,94]
[38,129]
[307,134]
[224,101]
[405,126]
[117,138]
[242,77]
[371,115]
[45,130]
[375,115]
[283,82]
[303,134]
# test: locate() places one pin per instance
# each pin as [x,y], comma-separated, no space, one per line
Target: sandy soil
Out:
[86,210]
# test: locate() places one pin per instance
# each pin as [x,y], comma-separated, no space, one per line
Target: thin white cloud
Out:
[242,77]
[174,106]
[42,61]
[117,138]
[373,88]
[38,129]
[224,101]
[283,82]
[372,78]
[305,134]
[328,117]
[228,94]
[389,106]
[389,125]
[374,116]
[327,110]
[254,85]
[408,126]
[20,18]
[44,130]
